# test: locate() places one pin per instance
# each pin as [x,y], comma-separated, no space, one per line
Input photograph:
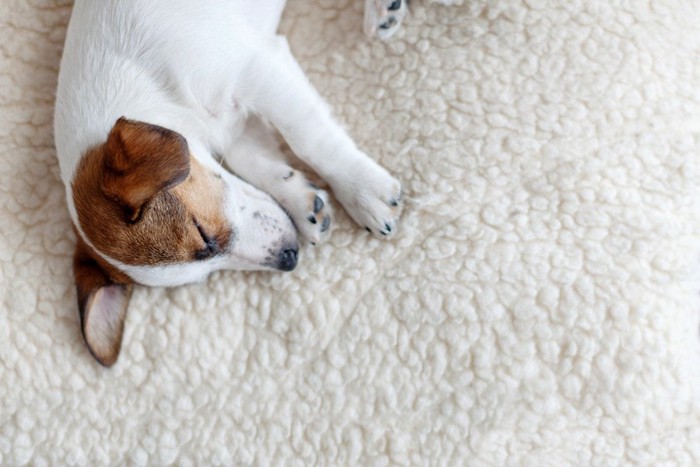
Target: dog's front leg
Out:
[256,157]
[277,90]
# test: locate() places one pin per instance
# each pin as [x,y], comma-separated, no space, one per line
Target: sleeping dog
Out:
[152,95]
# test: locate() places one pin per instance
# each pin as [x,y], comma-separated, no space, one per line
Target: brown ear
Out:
[102,301]
[140,161]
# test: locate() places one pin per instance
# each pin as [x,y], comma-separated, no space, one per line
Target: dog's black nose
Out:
[288,260]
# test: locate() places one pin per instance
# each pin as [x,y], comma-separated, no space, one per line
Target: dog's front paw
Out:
[372,197]
[307,205]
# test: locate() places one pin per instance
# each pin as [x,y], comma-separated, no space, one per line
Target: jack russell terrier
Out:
[152,94]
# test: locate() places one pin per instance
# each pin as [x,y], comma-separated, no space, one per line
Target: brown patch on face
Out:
[202,195]
[142,199]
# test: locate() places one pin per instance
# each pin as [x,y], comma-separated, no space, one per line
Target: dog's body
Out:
[151,95]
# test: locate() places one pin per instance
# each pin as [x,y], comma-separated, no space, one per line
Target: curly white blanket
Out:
[539,306]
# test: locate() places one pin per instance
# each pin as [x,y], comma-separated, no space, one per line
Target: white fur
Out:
[200,68]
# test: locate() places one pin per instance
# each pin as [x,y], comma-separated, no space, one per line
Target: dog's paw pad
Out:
[326,223]
[318,204]
[388,23]
[318,216]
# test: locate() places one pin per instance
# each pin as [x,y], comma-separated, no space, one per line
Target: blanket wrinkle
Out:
[539,305]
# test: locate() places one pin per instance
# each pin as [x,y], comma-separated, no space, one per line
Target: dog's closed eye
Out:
[211,247]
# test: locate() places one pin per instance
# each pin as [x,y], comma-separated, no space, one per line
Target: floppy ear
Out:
[140,161]
[102,303]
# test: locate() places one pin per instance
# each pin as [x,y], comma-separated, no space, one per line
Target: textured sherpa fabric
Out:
[538,307]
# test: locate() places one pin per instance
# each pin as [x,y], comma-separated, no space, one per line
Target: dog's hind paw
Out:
[383,17]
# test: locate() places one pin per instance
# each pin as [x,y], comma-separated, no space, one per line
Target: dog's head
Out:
[151,213]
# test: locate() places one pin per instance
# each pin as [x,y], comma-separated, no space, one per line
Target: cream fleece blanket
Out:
[539,306]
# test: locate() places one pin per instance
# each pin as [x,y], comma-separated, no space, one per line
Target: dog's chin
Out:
[177,274]
[284,259]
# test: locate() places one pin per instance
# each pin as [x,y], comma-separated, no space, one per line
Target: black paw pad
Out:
[312,219]
[395,5]
[391,21]
[326,223]
[318,204]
